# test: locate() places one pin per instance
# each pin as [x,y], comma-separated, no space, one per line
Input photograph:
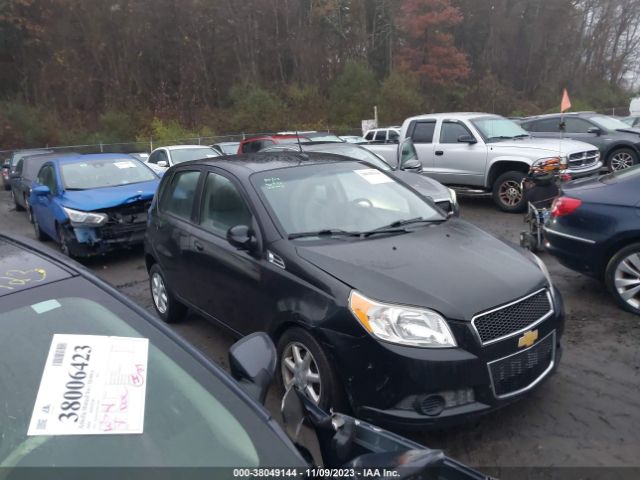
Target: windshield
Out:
[608,123]
[319,137]
[186,154]
[353,152]
[346,196]
[495,129]
[104,173]
[191,417]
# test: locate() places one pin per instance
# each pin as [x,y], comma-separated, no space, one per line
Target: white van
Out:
[634,106]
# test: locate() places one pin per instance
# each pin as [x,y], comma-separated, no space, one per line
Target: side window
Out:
[163,157]
[19,167]
[423,132]
[548,125]
[576,125]
[223,207]
[393,135]
[369,136]
[381,136]
[256,146]
[47,178]
[154,157]
[178,198]
[451,131]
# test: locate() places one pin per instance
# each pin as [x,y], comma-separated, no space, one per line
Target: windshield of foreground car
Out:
[495,129]
[90,174]
[608,123]
[186,154]
[345,196]
[191,417]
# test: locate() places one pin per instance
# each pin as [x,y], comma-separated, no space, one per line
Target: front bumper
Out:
[589,171]
[88,241]
[386,384]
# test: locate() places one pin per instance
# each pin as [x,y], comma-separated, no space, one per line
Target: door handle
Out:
[439,153]
[198,246]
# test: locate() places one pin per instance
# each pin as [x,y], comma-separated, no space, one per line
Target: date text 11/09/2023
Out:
[242,473]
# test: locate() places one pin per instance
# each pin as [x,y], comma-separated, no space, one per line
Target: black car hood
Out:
[454,268]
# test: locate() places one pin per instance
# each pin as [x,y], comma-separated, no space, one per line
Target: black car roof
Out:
[23,268]
[265,161]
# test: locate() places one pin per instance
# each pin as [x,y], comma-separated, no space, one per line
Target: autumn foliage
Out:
[428,47]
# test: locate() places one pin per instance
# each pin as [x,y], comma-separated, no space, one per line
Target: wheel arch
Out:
[503,166]
[615,245]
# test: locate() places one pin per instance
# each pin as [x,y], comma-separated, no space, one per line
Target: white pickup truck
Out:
[480,152]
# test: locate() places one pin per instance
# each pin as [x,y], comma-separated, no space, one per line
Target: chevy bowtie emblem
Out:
[528,339]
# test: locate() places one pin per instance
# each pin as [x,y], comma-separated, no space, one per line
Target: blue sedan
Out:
[595,229]
[91,204]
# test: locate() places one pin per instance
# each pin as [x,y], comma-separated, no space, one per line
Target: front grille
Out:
[522,370]
[125,220]
[583,159]
[513,318]
[114,231]
[446,206]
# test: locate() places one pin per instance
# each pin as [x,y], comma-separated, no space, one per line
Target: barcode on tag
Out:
[58,356]
[42,425]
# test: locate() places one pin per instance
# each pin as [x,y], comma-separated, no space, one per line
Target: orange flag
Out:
[565,104]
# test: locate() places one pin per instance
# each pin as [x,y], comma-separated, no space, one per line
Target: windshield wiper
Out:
[500,137]
[328,232]
[397,226]
[521,135]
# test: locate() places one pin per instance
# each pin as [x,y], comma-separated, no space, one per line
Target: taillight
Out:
[564,206]
[565,177]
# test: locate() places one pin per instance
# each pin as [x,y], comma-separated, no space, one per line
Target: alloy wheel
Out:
[299,368]
[510,193]
[159,292]
[621,160]
[627,279]
[27,207]
[62,239]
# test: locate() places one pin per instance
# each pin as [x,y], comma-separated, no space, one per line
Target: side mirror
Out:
[163,164]
[241,237]
[467,139]
[41,191]
[252,361]
[595,130]
[413,165]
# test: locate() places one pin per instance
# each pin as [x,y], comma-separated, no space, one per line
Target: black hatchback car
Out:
[375,297]
[594,228]
[90,379]
[619,143]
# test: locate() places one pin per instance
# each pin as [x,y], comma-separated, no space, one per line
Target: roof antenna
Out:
[298,138]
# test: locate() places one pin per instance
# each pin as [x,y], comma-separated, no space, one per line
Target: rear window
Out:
[178,198]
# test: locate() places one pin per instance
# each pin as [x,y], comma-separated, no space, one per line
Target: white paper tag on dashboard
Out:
[92,385]
[374,176]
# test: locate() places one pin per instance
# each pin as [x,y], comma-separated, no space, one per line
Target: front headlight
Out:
[551,164]
[90,218]
[417,327]
[454,201]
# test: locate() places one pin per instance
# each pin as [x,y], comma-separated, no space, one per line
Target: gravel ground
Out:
[588,414]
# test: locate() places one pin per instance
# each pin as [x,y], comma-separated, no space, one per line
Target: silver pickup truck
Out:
[480,152]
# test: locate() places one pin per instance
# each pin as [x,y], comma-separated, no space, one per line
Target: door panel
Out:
[422,132]
[458,163]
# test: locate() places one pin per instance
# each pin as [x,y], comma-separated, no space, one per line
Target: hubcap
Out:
[627,279]
[510,193]
[159,292]
[64,248]
[299,368]
[621,160]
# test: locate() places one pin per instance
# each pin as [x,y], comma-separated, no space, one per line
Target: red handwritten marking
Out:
[137,378]
[124,400]
[107,407]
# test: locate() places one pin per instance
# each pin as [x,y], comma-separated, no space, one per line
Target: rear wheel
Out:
[507,192]
[621,159]
[63,240]
[303,363]
[169,309]
[622,278]
[19,207]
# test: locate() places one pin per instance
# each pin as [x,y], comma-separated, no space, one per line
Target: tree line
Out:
[71,70]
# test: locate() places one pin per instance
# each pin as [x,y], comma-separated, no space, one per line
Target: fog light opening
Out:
[434,404]
[431,405]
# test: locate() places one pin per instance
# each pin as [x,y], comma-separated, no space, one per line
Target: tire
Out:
[621,158]
[168,308]
[63,241]
[28,209]
[19,207]
[39,234]
[622,276]
[328,392]
[507,192]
